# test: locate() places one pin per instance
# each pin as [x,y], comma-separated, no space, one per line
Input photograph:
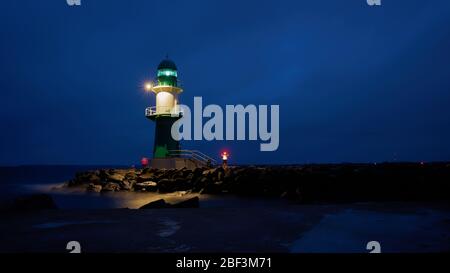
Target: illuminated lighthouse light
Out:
[224,156]
[167,72]
[148,86]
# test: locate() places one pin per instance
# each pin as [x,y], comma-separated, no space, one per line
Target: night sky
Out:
[354,83]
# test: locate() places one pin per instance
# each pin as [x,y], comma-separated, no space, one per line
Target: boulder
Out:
[146,186]
[201,183]
[127,185]
[158,204]
[228,173]
[94,188]
[94,179]
[195,176]
[109,187]
[182,193]
[190,177]
[180,174]
[84,178]
[186,172]
[115,177]
[146,177]
[131,175]
[147,170]
[172,185]
[161,204]
[220,174]
[103,174]
[208,173]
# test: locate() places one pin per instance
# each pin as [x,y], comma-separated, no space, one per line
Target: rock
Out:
[220,174]
[110,187]
[158,204]
[146,177]
[146,186]
[173,185]
[228,173]
[146,170]
[116,177]
[180,174]
[95,179]
[307,183]
[201,184]
[189,203]
[213,188]
[186,172]
[103,174]
[83,178]
[195,176]
[94,188]
[208,173]
[34,202]
[127,185]
[131,176]
[182,193]
[161,204]
[190,177]
[216,174]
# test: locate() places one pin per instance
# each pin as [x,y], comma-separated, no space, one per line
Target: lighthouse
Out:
[166,111]
[167,153]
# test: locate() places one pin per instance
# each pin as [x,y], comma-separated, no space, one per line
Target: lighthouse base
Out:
[176,163]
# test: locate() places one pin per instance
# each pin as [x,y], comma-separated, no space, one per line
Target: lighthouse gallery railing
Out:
[165,110]
[207,160]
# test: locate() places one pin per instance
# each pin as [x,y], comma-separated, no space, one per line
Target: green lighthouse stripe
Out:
[161,152]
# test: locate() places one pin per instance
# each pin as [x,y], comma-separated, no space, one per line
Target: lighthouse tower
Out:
[166,111]
[166,150]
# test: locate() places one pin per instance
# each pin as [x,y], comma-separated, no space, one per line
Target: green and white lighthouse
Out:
[166,111]
[167,153]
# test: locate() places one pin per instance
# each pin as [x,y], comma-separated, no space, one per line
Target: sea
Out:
[222,223]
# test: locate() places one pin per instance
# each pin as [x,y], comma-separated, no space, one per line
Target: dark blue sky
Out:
[354,82]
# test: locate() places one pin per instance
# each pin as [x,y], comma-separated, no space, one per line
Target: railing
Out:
[164,110]
[197,155]
[150,111]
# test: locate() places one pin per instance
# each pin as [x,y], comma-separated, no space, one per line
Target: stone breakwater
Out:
[306,183]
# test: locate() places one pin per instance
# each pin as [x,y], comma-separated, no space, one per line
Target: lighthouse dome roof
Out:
[167,64]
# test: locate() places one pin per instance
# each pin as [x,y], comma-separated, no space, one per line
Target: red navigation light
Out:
[144,162]
[224,156]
